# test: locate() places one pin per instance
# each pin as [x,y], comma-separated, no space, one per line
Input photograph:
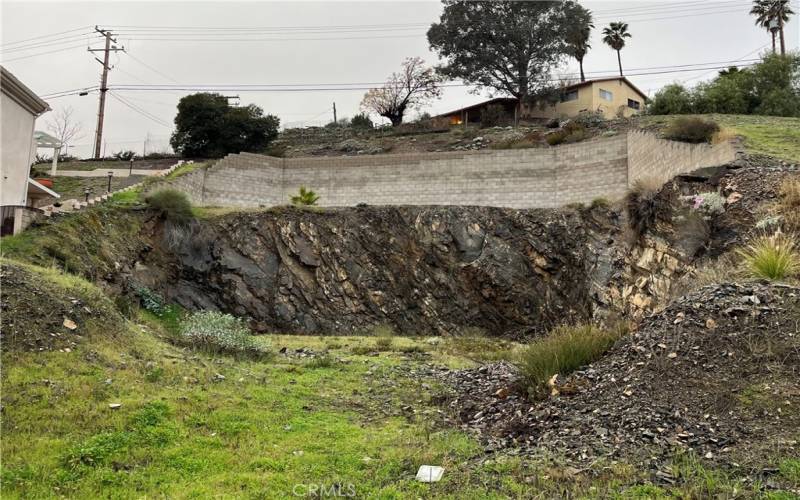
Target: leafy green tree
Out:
[772,15]
[614,36]
[578,33]
[507,46]
[206,126]
[305,197]
[672,99]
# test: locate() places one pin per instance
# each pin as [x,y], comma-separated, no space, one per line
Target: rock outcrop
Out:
[418,269]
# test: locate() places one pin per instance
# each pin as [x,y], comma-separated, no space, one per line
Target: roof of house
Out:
[498,100]
[34,188]
[613,78]
[24,96]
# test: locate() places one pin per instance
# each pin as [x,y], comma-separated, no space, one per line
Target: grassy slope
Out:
[771,135]
[183,432]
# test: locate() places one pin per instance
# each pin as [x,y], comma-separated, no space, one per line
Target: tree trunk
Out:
[619,61]
[783,42]
[773,41]
[580,63]
[396,119]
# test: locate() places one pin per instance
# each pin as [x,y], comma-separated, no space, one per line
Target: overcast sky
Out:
[665,35]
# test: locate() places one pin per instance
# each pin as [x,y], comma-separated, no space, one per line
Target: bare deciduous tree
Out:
[63,126]
[412,87]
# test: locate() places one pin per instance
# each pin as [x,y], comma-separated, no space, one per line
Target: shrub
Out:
[562,351]
[173,205]
[641,205]
[772,257]
[305,197]
[222,333]
[493,115]
[590,119]
[691,129]
[673,99]
[600,203]
[709,202]
[125,155]
[572,132]
[362,121]
[151,301]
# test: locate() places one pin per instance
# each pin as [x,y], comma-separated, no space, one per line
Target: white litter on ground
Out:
[429,473]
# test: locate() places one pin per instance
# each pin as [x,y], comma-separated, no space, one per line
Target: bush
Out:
[220,333]
[709,202]
[173,205]
[493,116]
[641,205]
[572,132]
[125,155]
[151,301]
[673,99]
[305,197]
[362,121]
[691,129]
[590,119]
[562,351]
[772,257]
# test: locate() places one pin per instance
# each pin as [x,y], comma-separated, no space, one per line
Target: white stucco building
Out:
[19,108]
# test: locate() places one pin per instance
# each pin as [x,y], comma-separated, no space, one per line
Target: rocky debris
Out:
[419,269]
[715,373]
[37,316]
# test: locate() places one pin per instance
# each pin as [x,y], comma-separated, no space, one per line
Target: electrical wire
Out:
[141,111]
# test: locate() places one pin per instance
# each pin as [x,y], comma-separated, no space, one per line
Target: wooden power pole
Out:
[334,115]
[98,135]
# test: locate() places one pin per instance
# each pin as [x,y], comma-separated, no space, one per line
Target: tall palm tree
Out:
[769,11]
[578,33]
[614,36]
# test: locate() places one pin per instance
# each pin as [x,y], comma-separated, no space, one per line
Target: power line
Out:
[141,111]
[46,36]
[45,53]
[49,43]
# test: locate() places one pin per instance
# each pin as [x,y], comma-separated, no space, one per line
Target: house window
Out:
[572,95]
[605,94]
[633,104]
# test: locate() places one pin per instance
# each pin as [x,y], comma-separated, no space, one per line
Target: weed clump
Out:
[385,337]
[305,198]
[572,132]
[173,205]
[789,204]
[772,257]
[641,205]
[220,333]
[563,350]
[691,129]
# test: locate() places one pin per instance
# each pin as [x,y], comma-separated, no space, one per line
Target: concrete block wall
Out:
[522,178]
[649,156]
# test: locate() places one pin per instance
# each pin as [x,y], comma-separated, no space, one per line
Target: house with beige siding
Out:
[611,96]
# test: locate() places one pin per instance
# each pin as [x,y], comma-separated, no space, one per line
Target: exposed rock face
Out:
[420,269]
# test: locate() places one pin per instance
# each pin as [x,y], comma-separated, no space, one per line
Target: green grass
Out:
[771,135]
[185,169]
[74,187]
[562,351]
[195,425]
[772,257]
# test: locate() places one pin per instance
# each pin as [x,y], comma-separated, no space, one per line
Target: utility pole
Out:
[98,136]
[334,114]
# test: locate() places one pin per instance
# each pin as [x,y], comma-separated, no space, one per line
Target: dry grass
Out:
[789,204]
[724,269]
[641,205]
[772,257]
[725,134]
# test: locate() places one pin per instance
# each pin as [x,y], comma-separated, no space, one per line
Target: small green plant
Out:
[217,332]
[563,350]
[385,337]
[572,132]
[772,257]
[600,203]
[691,129]
[324,361]
[151,301]
[709,202]
[173,205]
[305,197]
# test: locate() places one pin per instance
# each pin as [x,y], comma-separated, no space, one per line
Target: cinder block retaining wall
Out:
[522,178]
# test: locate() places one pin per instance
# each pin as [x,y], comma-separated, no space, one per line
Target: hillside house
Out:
[19,108]
[611,96]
